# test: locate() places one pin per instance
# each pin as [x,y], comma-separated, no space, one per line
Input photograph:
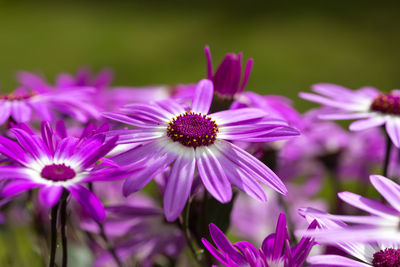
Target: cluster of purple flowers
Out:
[205,158]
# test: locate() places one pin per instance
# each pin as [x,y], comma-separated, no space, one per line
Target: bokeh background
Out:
[294,44]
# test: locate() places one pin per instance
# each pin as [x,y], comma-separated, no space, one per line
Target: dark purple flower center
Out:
[389,257]
[193,129]
[58,172]
[387,104]
[17,96]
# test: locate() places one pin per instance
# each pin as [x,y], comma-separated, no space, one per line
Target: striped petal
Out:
[179,184]
[203,96]
[212,174]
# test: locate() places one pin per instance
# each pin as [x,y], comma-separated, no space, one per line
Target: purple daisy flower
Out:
[372,107]
[197,140]
[55,162]
[277,106]
[381,225]
[107,96]
[275,250]
[38,96]
[365,253]
[227,79]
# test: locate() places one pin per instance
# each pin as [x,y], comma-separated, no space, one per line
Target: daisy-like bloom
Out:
[382,225]
[36,100]
[277,106]
[55,162]
[227,79]
[109,97]
[371,107]
[190,140]
[364,253]
[274,252]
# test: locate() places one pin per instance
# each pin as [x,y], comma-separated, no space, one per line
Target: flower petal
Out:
[89,201]
[47,136]
[5,111]
[224,245]
[215,252]
[153,167]
[20,111]
[388,189]
[241,115]
[334,260]
[203,96]
[393,130]
[212,174]
[367,123]
[179,184]
[31,143]
[127,120]
[50,195]
[368,205]
[241,179]
[345,116]
[17,186]
[13,150]
[250,163]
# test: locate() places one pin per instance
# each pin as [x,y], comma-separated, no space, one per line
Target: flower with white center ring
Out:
[194,140]
[55,162]
[370,107]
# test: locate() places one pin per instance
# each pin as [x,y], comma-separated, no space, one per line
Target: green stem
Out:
[103,235]
[53,245]
[186,231]
[387,156]
[63,219]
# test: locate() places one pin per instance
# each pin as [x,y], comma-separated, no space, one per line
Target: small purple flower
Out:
[55,162]
[251,219]
[197,140]
[371,107]
[275,250]
[382,225]
[227,79]
[108,97]
[275,105]
[36,95]
[364,253]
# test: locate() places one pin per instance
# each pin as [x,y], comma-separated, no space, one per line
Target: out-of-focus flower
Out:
[275,250]
[364,252]
[138,232]
[36,95]
[195,140]
[251,219]
[54,162]
[227,79]
[275,105]
[372,107]
[108,97]
[382,225]
[364,151]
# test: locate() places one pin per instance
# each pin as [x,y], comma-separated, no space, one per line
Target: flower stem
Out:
[53,245]
[107,242]
[109,246]
[186,231]
[63,219]
[387,156]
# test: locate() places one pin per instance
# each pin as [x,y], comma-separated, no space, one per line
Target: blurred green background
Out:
[294,44]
